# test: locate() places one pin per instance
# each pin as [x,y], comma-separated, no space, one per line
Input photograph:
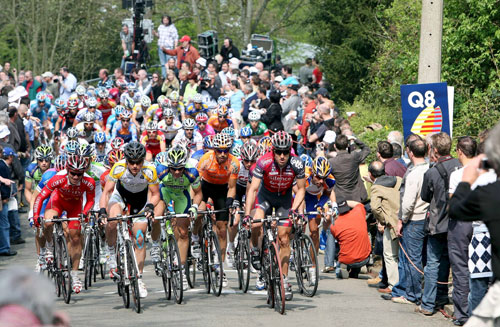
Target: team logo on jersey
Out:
[149,173]
[297,163]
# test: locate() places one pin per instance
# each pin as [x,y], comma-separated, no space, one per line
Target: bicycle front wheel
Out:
[204,262]
[175,269]
[306,264]
[215,264]
[133,275]
[64,267]
[242,257]
[123,290]
[277,279]
[87,260]
[190,266]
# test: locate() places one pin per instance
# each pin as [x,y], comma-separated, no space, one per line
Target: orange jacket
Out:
[191,55]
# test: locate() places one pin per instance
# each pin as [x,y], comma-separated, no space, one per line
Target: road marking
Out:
[110,293]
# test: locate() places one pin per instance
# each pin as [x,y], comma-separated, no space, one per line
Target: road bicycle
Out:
[191,261]
[91,250]
[242,257]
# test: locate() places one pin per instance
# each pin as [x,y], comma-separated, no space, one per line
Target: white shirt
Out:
[69,86]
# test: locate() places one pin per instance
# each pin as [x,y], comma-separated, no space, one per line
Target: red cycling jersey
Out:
[66,197]
[104,178]
[277,179]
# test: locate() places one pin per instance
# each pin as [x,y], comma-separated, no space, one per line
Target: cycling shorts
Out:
[240,193]
[313,202]
[134,202]
[277,201]
[73,208]
[182,202]
[218,194]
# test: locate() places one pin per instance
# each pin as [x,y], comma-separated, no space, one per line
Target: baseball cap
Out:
[4,131]
[202,61]
[294,87]
[330,137]
[47,74]
[278,79]
[185,38]
[9,152]
[343,207]
[321,91]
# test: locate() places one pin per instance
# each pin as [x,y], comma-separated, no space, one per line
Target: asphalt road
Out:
[337,302]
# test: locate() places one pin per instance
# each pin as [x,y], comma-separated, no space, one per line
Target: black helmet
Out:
[134,151]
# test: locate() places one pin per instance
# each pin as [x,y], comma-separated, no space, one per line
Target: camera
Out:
[485,164]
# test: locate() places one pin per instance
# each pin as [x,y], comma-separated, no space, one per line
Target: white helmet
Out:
[254,115]
[197,98]
[188,123]
[91,102]
[80,90]
[145,101]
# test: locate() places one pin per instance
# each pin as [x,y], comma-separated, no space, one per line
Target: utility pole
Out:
[431,35]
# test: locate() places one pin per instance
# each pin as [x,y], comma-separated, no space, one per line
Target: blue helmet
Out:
[246,132]
[99,137]
[72,146]
[307,160]
[60,103]
[161,158]
[228,131]
[207,142]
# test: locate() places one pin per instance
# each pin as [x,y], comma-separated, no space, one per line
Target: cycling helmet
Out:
[321,167]
[44,152]
[160,99]
[188,123]
[121,83]
[223,101]
[308,162]
[60,103]
[246,132]
[254,116]
[174,96]
[41,96]
[168,112]
[88,117]
[72,103]
[72,146]
[266,141]
[249,151]
[197,98]
[126,114]
[236,150]
[117,143]
[72,133]
[91,102]
[131,87]
[222,141]
[201,117]
[165,103]
[129,103]
[114,156]
[145,101]
[99,138]
[152,126]
[85,150]
[207,142]
[281,141]
[229,131]
[80,90]
[77,163]
[134,151]
[222,111]
[60,162]
[177,157]
[103,93]
[161,158]
[118,110]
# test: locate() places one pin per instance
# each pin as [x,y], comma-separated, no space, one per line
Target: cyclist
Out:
[195,107]
[39,108]
[105,105]
[139,111]
[177,105]
[66,120]
[153,140]
[113,157]
[272,182]
[207,146]
[132,188]
[123,129]
[115,116]
[91,107]
[66,190]
[43,159]
[178,176]
[88,127]
[169,126]
[82,96]
[259,129]
[202,125]
[101,147]
[307,160]
[220,121]
[246,134]
[131,94]
[189,137]
[219,172]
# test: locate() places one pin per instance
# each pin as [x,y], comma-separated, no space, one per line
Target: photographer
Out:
[209,90]
[482,204]
[51,84]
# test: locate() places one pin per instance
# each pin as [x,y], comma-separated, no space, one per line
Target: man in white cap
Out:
[51,86]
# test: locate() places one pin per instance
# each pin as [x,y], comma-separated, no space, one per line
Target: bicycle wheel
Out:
[164,273]
[87,260]
[190,266]
[277,278]
[204,262]
[306,267]
[133,275]
[242,257]
[123,290]
[175,269]
[55,271]
[215,264]
[65,269]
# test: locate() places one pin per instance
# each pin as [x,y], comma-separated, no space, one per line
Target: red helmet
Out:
[76,163]
[201,117]
[114,156]
[281,141]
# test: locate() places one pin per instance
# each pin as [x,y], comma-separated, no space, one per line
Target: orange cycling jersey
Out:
[211,172]
[217,125]
[152,142]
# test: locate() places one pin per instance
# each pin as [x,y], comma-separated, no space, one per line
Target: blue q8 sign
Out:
[425,108]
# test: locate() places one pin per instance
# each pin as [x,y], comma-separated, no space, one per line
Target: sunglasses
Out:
[202,123]
[135,162]
[44,160]
[177,168]
[248,161]
[75,174]
[125,120]
[282,152]
[222,151]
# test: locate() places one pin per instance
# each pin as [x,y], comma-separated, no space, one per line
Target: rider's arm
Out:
[58,124]
[134,119]
[231,191]
[251,194]
[106,193]
[27,190]
[153,194]
[45,194]
[133,131]
[163,144]
[299,195]
[197,195]
[90,195]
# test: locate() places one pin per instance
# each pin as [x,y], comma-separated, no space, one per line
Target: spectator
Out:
[4,97]
[384,201]
[228,51]
[167,39]
[224,74]
[183,82]
[482,204]
[435,189]
[263,101]
[171,84]
[128,45]
[10,74]
[32,85]
[250,97]
[305,72]
[157,84]
[317,75]
[52,84]
[272,116]
[290,109]
[119,76]
[398,153]
[6,192]
[345,168]
[191,88]
[289,79]
[15,135]
[104,79]
[385,153]
[459,236]
[349,229]
[210,90]
[322,96]
[184,53]
[264,76]
[68,83]
[326,125]
[143,83]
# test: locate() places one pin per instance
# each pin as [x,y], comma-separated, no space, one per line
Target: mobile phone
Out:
[485,164]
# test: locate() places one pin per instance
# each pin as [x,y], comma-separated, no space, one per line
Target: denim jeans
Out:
[478,289]
[4,229]
[15,224]
[437,269]
[400,288]
[353,267]
[330,250]
[163,60]
[414,235]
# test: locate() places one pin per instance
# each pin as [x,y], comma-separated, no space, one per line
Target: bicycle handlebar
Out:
[211,211]
[125,217]
[171,216]
[269,219]
[55,219]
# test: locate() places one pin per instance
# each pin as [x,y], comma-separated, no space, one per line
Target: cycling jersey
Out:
[123,96]
[104,178]
[47,175]
[177,110]
[151,112]
[170,131]
[81,113]
[209,130]
[139,111]
[197,155]
[260,131]
[213,173]
[127,137]
[192,144]
[311,188]
[152,145]
[217,125]
[40,112]
[66,197]
[106,109]
[33,174]
[191,111]
[102,157]
[88,135]
[242,176]
[277,179]
[95,171]
[68,119]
